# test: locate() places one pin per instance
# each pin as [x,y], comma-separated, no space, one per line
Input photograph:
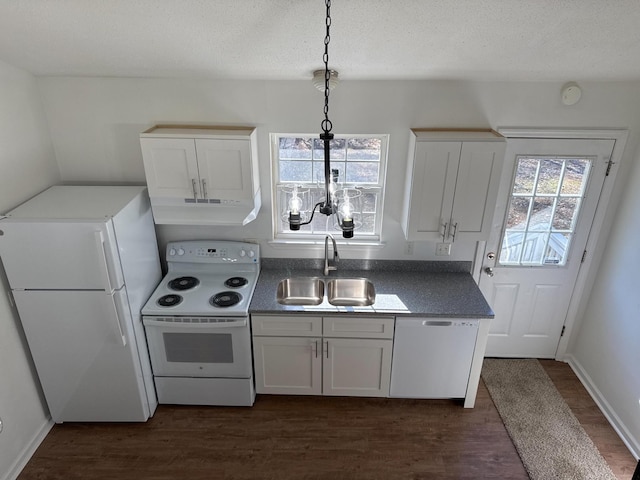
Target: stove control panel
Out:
[212,251]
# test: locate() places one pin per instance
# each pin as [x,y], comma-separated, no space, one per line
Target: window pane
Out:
[525,175]
[511,247]
[294,148]
[295,171]
[533,248]
[338,149]
[576,172]
[364,149]
[362,172]
[318,172]
[549,176]
[369,202]
[518,211]
[565,214]
[541,213]
[557,249]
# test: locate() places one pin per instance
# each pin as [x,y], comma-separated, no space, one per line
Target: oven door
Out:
[199,347]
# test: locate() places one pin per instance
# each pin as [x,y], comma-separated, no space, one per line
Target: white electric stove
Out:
[197,323]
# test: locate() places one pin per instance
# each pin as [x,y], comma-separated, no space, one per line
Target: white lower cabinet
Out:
[288,365]
[352,356]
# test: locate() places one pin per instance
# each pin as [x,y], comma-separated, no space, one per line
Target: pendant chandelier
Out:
[340,202]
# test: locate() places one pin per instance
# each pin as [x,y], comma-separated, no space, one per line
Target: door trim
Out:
[601,222]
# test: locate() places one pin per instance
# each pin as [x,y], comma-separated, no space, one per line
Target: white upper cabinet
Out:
[452,184]
[202,175]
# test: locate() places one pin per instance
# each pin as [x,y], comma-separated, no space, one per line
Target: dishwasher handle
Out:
[436,323]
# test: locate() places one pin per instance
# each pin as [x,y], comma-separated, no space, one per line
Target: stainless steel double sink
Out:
[343,292]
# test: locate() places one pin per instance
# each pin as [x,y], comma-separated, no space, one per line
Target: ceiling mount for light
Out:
[319,80]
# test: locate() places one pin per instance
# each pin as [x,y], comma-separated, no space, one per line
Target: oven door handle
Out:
[149,322]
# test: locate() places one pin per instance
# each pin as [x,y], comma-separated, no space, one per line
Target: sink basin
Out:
[351,292]
[300,291]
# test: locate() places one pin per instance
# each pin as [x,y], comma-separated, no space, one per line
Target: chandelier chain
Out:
[326,123]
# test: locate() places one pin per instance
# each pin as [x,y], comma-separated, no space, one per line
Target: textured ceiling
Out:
[533,40]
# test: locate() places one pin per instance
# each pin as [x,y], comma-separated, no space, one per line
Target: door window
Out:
[543,210]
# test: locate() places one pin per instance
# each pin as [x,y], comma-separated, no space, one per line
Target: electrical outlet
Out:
[408,248]
[443,249]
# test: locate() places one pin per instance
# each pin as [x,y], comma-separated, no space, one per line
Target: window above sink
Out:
[360,162]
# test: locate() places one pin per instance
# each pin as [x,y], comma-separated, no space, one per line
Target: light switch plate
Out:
[443,249]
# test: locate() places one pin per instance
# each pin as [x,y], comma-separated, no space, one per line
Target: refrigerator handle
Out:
[117,317]
[102,259]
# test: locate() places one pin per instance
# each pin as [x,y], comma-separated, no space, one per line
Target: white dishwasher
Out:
[432,357]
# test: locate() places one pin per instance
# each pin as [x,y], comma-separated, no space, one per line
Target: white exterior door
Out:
[548,197]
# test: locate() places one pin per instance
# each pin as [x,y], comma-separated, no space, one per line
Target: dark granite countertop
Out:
[411,288]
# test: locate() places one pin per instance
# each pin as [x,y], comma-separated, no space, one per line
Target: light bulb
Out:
[295,202]
[346,207]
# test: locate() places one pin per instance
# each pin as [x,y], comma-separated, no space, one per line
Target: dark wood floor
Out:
[286,437]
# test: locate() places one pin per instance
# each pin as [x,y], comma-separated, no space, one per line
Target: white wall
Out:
[95,124]
[28,166]
[607,345]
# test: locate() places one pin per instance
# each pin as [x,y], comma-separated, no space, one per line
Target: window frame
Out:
[287,236]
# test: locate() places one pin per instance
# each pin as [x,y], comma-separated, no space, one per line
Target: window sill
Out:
[342,243]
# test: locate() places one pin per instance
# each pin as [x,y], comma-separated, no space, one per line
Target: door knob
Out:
[489,271]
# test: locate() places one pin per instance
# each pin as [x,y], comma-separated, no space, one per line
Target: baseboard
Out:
[629,440]
[28,451]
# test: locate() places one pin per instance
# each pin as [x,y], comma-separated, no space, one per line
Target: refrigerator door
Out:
[83,348]
[60,255]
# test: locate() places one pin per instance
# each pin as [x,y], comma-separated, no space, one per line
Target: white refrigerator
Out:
[81,262]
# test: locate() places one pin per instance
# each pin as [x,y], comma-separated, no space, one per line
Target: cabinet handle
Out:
[455,230]
[444,231]
[327,349]
[204,189]
[195,192]
[315,350]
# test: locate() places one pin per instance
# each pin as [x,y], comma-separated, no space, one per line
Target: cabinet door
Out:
[291,366]
[435,167]
[225,170]
[171,167]
[476,190]
[356,367]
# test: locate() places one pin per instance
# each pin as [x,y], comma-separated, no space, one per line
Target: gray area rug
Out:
[550,441]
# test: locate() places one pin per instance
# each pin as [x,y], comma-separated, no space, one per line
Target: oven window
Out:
[198,347]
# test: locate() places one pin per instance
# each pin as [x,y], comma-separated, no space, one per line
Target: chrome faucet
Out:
[336,257]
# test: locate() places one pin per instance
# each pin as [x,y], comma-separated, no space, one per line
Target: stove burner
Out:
[236,282]
[225,299]
[183,283]
[169,300]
